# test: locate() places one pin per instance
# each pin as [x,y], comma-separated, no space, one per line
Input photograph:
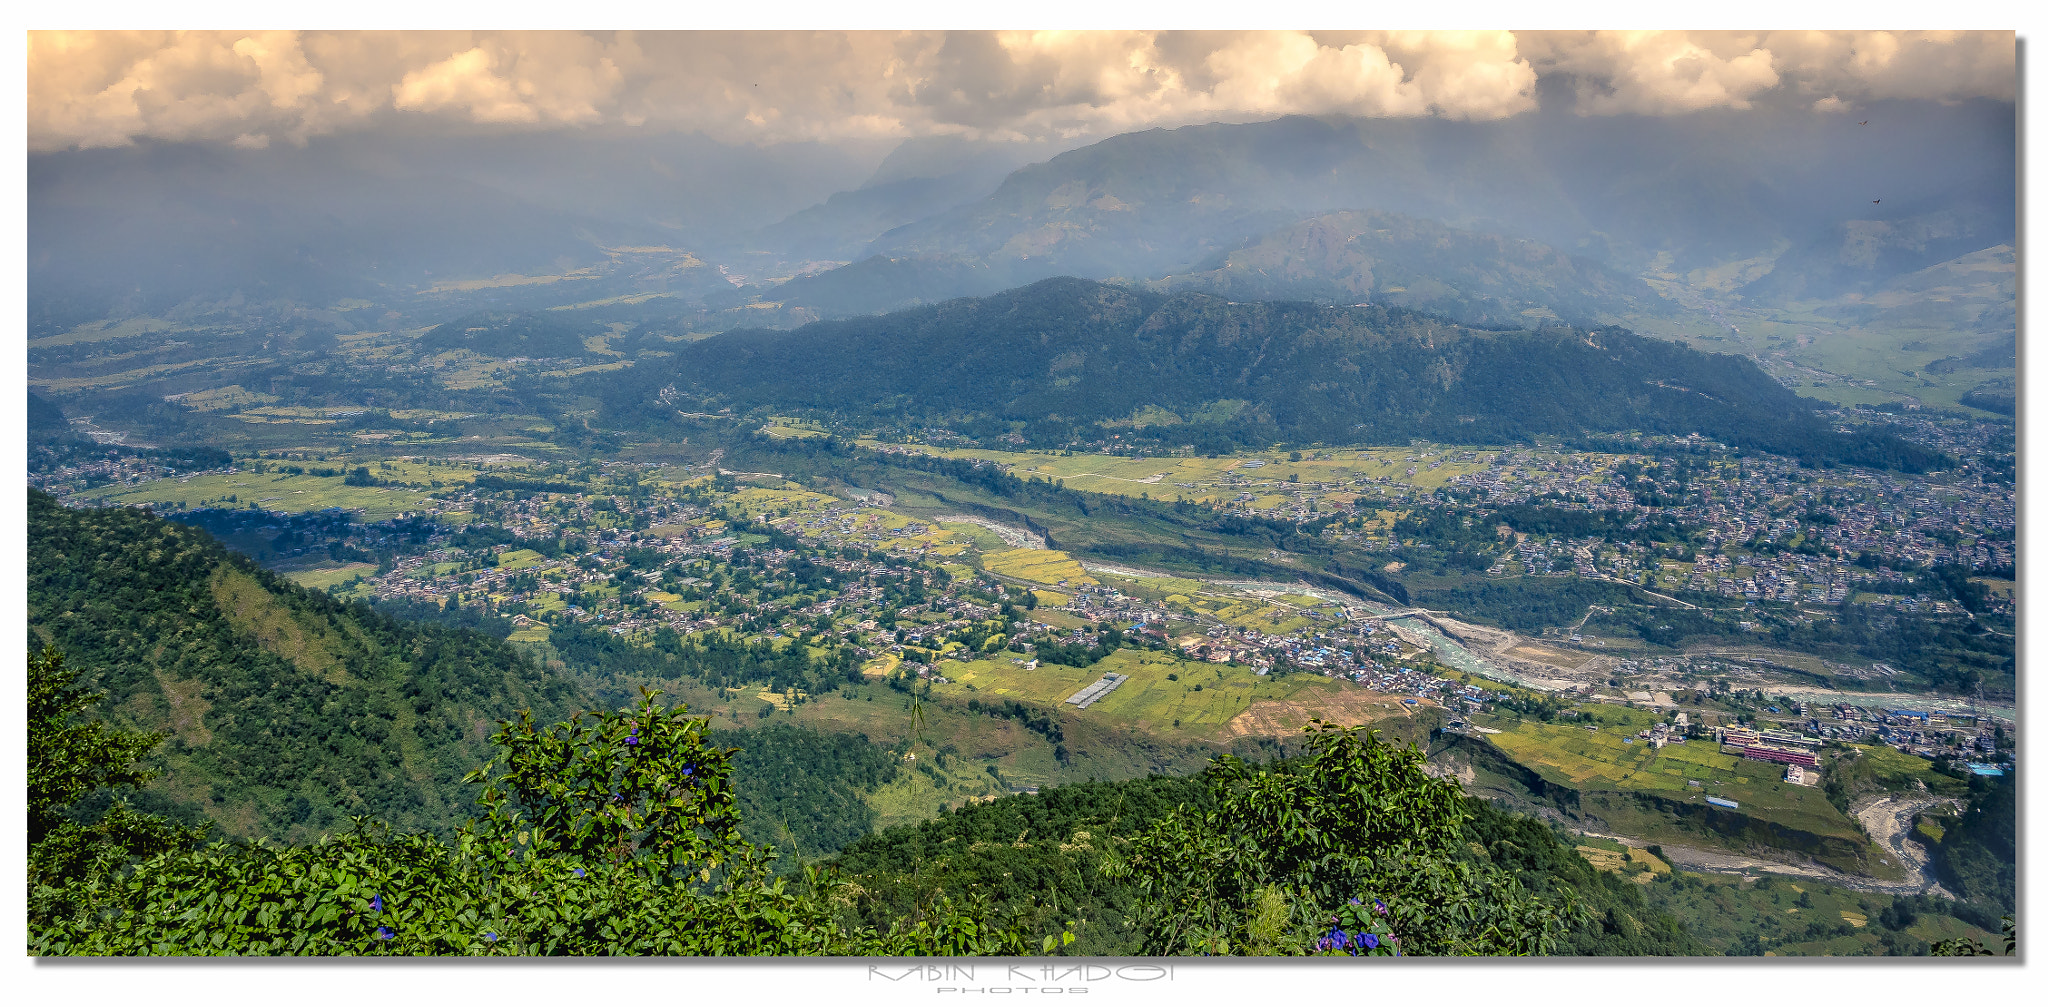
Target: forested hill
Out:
[1054,359]
[287,711]
[1049,849]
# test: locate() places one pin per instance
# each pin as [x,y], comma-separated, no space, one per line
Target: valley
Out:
[943,519]
[955,639]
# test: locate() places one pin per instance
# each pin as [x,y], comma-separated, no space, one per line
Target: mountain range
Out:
[1034,363]
[1799,205]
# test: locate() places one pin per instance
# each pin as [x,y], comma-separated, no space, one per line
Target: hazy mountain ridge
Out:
[1704,188]
[1036,360]
[1620,195]
[1350,256]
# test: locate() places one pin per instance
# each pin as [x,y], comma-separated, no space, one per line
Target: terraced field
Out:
[1039,566]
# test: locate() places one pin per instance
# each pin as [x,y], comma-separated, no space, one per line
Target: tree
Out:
[609,833]
[71,861]
[1355,840]
[1967,947]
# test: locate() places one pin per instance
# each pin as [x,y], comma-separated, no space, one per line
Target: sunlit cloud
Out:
[93,89]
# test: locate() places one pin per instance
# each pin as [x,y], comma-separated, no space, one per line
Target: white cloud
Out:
[109,88]
[1648,72]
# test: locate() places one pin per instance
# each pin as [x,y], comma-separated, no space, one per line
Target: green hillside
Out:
[1049,849]
[1056,359]
[286,711]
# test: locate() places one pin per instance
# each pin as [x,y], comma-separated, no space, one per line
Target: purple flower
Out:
[385,933]
[1323,945]
[491,935]
[1368,940]
[632,739]
[689,770]
[376,903]
[1381,906]
[579,872]
[1354,902]
[1339,938]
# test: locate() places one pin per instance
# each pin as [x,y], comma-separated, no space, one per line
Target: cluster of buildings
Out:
[1782,747]
[115,470]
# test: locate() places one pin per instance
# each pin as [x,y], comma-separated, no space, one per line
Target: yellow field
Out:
[754,500]
[1619,862]
[1251,613]
[1040,566]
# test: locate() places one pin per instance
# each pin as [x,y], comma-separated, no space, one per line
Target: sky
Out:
[253,89]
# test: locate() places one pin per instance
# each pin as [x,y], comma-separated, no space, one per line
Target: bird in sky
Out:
[1876,201]
[1865,122]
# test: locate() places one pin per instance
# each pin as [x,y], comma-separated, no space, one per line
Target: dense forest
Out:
[804,791]
[1053,361]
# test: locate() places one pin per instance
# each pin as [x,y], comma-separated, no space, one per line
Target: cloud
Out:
[1657,73]
[1649,72]
[111,88]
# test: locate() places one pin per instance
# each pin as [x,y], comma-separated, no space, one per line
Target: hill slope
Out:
[1060,355]
[287,711]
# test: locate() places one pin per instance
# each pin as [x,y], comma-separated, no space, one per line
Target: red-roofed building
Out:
[1763,754]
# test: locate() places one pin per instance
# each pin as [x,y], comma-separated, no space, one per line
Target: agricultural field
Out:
[1277,616]
[1165,694]
[291,494]
[324,578]
[1609,758]
[972,744]
[1039,566]
[1220,480]
[1639,865]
